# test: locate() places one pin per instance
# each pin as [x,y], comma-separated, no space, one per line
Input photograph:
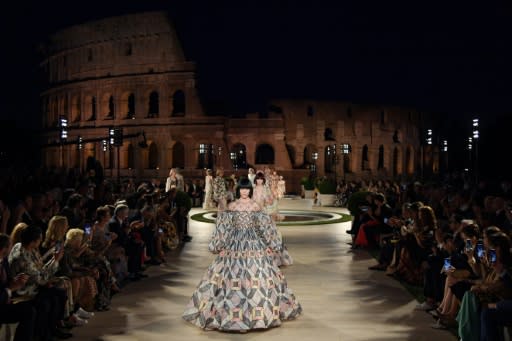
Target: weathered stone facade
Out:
[130,72]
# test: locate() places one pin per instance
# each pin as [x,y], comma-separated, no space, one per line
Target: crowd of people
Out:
[68,242]
[451,239]
[72,242]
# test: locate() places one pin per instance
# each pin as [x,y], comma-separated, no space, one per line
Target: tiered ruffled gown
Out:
[243,288]
[261,195]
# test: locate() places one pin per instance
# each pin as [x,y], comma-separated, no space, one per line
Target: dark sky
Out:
[450,57]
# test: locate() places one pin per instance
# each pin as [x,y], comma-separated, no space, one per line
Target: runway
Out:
[341,298]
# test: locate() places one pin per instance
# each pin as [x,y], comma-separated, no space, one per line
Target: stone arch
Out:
[265,154]
[178,155]
[329,135]
[238,156]
[131,156]
[329,159]
[54,112]
[107,107]
[152,156]
[309,154]
[76,108]
[90,107]
[205,155]
[178,103]
[380,161]
[153,104]
[365,162]
[127,105]
[409,160]
[126,156]
[397,161]
[75,158]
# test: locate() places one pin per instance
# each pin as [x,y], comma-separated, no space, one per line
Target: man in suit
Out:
[133,247]
[22,313]
[182,202]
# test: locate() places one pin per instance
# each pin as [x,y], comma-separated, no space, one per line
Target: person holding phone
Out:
[42,286]
[55,233]
[22,313]
[497,285]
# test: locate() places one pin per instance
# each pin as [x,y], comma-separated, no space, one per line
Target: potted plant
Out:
[308,187]
[327,192]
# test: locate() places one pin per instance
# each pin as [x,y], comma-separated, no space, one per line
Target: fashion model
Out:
[243,289]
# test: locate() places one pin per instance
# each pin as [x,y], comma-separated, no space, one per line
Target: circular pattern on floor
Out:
[289,217]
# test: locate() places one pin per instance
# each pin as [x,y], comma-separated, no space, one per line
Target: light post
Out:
[63,124]
[470,149]
[445,150]
[335,162]
[422,151]
[314,156]
[345,150]
[232,156]
[476,136]
[80,146]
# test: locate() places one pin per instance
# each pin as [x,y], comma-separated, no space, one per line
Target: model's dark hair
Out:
[244,183]
[260,175]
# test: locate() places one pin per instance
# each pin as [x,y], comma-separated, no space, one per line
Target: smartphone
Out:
[492,256]
[480,252]
[364,208]
[160,231]
[87,229]
[447,264]
[469,246]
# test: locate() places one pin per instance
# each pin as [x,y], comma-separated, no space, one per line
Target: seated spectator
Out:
[83,279]
[133,247]
[56,232]
[379,215]
[414,254]
[496,286]
[22,313]
[41,287]
[16,233]
[493,318]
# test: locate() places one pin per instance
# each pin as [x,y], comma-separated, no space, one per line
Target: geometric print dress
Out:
[243,289]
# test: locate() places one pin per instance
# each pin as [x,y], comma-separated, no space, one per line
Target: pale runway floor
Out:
[341,298]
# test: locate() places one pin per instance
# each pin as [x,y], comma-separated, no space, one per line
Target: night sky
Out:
[453,58]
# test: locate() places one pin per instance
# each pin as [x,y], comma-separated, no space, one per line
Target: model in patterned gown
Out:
[263,197]
[242,289]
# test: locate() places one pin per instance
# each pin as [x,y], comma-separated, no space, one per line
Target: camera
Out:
[480,252]
[469,246]
[492,256]
[447,264]
[87,229]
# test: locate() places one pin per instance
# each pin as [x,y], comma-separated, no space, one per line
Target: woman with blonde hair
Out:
[83,279]
[57,228]
[16,233]
[208,202]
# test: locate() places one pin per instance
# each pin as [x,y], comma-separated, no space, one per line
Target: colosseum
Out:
[120,90]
